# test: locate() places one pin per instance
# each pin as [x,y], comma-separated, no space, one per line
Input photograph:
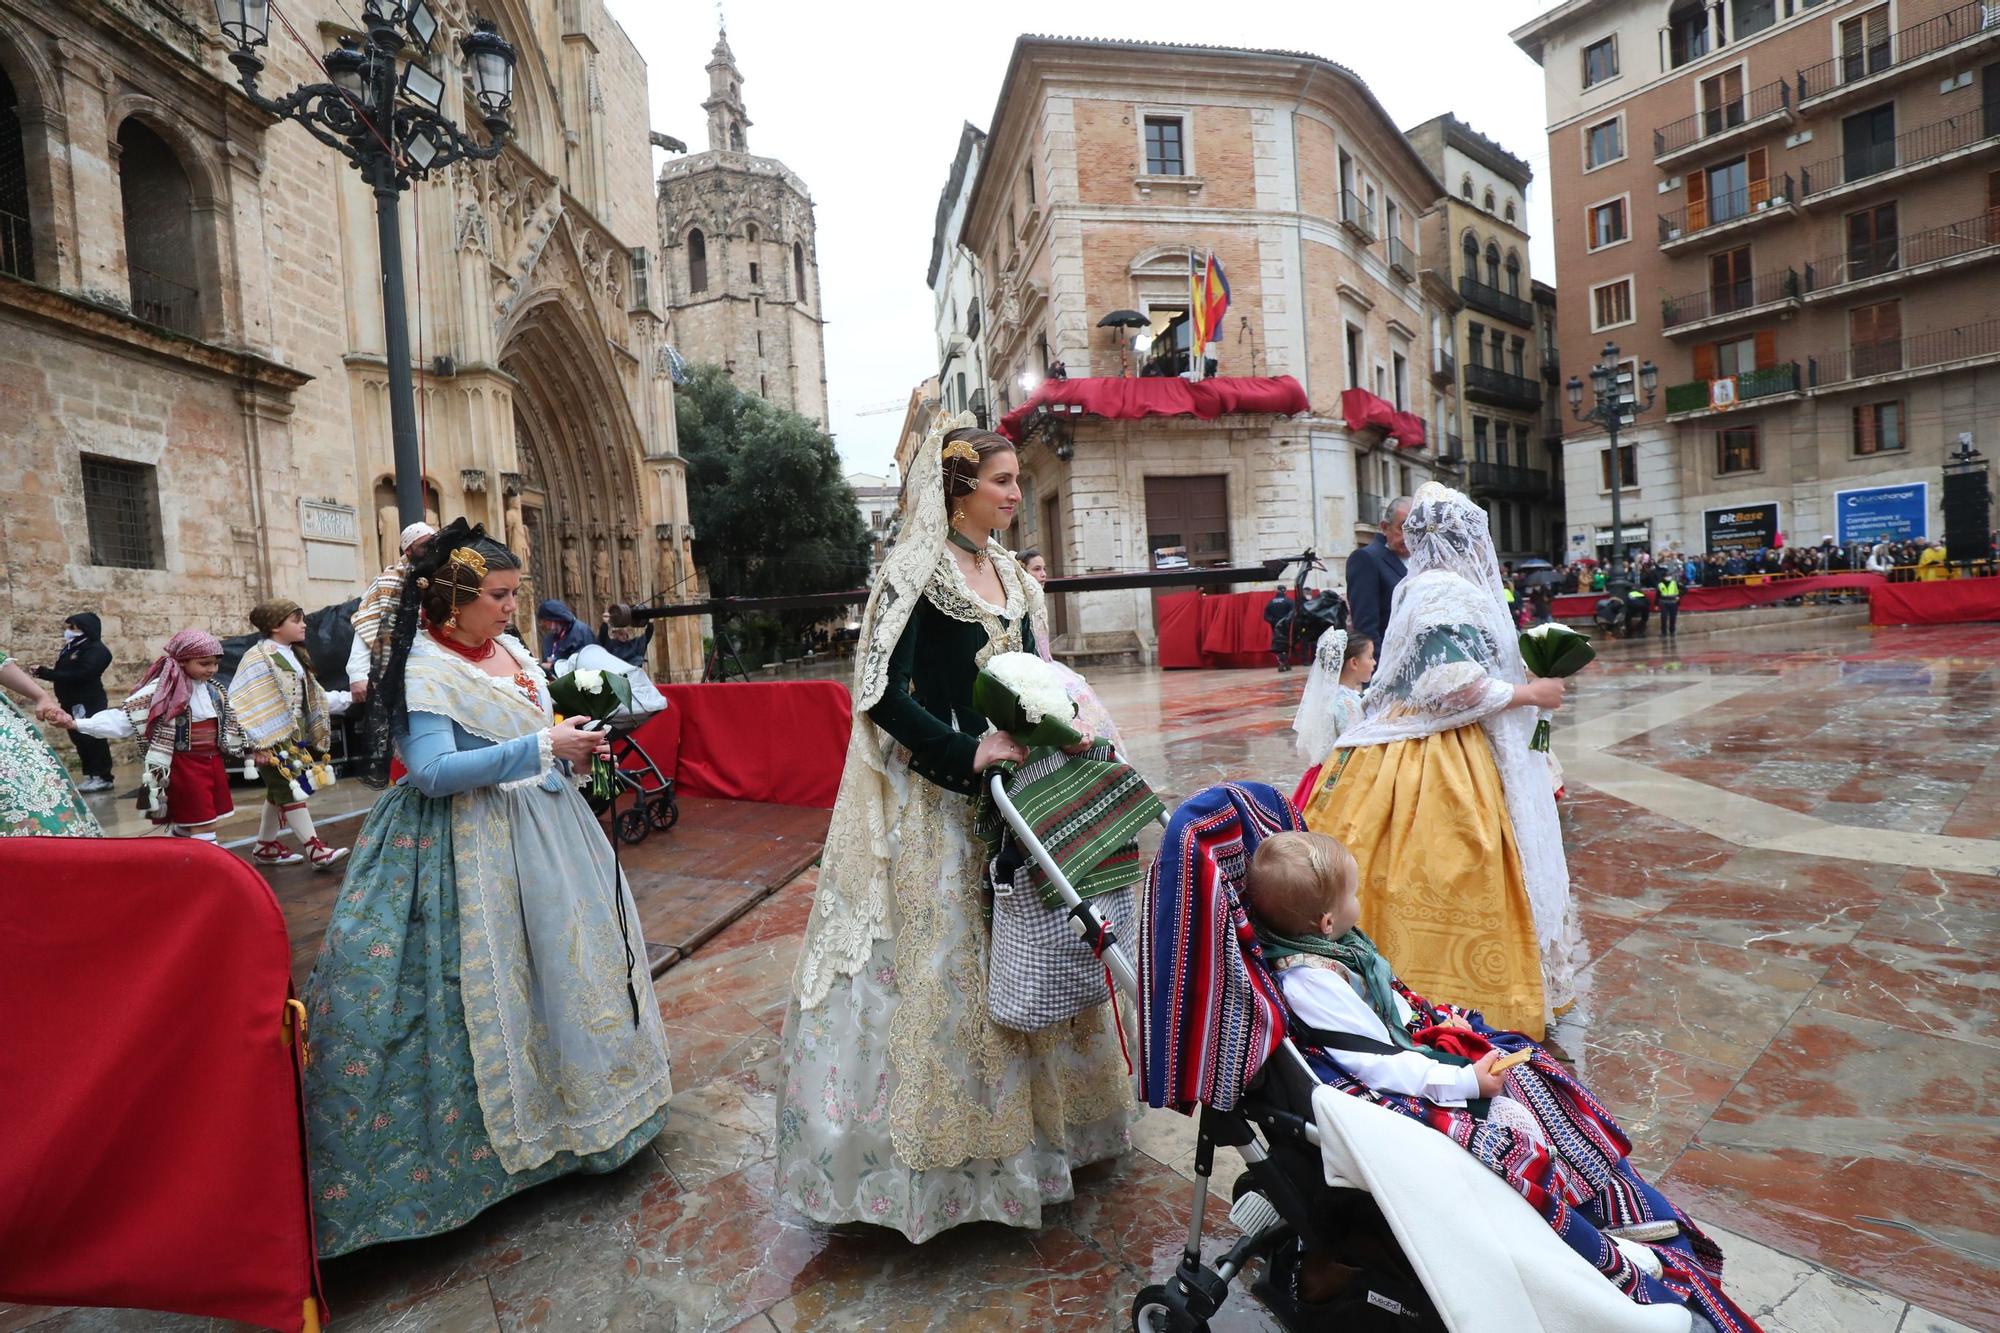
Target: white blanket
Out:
[1482,1251]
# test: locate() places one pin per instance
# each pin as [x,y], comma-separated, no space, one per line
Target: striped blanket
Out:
[1209,1012]
[1087,810]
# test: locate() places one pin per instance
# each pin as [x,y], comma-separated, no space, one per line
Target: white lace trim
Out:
[490,707]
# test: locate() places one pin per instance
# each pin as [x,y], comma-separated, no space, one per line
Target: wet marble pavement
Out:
[1783,846]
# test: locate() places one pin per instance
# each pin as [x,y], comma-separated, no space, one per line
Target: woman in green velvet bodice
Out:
[903,1103]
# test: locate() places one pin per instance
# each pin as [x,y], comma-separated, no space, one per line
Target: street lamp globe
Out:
[245,22]
[347,66]
[491,57]
[1574,391]
[1649,376]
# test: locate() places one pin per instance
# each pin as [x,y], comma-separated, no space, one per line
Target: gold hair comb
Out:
[958,451]
[466,558]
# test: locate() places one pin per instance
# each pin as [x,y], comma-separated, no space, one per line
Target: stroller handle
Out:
[1082,914]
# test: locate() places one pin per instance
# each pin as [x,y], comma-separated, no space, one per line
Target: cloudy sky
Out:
[865,102]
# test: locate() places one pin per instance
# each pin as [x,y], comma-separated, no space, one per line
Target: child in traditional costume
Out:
[190,732]
[1496,1094]
[288,718]
[1331,704]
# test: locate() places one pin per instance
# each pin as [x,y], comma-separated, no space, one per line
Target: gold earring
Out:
[451,621]
[958,515]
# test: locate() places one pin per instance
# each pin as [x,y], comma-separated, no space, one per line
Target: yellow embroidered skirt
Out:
[1442,892]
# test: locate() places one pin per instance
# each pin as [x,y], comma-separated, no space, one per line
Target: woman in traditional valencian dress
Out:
[37,798]
[903,1103]
[1438,795]
[480,1020]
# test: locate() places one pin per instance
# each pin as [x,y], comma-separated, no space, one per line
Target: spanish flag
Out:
[1208,302]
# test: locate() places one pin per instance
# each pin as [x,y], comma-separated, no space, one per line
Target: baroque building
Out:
[191,351]
[740,271]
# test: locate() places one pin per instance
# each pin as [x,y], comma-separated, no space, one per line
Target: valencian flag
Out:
[1208,302]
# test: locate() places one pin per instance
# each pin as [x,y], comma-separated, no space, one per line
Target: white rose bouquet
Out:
[1024,697]
[595,695]
[1554,651]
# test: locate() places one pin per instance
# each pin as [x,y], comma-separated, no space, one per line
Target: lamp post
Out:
[386,117]
[1613,404]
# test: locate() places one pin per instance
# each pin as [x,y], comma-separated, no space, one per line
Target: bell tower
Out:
[728,123]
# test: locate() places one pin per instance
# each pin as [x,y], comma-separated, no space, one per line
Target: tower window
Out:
[755,275]
[697,262]
[799,270]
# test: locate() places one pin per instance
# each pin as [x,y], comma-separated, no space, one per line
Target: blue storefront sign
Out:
[1883,513]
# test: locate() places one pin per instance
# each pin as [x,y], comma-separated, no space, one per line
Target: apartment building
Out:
[1791,207]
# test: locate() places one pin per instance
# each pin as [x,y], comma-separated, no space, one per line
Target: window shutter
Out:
[1864,431]
[1757,166]
[1767,349]
[1697,192]
[1889,322]
[1704,361]
[1878,26]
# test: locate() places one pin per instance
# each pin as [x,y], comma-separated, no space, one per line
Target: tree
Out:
[772,514]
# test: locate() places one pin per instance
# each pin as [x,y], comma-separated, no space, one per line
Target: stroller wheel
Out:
[663,812]
[630,826]
[1153,1312]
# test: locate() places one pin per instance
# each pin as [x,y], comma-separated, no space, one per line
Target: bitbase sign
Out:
[1883,513]
[1743,528]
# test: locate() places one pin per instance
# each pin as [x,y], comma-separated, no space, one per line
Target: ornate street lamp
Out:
[1614,402]
[387,117]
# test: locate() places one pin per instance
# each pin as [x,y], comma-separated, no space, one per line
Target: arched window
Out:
[736,136]
[750,232]
[159,231]
[1465,189]
[1492,264]
[799,270]
[697,262]
[1510,210]
[17,237]
[1489,199]
[1513,273]
[1472,256]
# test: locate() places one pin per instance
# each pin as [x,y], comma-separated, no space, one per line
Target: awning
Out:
[1129,399]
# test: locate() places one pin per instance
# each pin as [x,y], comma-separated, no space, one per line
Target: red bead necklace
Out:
[483,653]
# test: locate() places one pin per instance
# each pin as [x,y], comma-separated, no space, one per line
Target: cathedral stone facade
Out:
[739,269]
[193,391]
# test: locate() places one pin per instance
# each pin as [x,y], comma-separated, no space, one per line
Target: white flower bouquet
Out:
[1024,696]
[1554,652]
[595,695]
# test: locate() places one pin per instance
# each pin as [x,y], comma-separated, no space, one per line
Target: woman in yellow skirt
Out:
[1449,813]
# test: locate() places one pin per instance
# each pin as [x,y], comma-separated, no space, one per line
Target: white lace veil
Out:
[851,903]
[1451,656]
[1316,723]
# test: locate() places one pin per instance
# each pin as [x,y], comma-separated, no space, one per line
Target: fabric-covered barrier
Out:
[1129,399]
[151,1142]
[1209,630]
[1945,602]
[781,742]
[1733,596]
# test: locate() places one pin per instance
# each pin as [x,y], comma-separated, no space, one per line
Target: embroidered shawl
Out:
[276,701]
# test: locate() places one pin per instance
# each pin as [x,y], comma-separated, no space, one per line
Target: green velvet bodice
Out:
[927,704]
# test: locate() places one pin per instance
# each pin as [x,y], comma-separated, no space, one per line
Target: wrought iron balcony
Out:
[1356,216]
[1402,259]
[1897,258]
[171,304]
[1444,365]
[1507,479]
[1484,384]
[1731,210]
[1737,118]
[1494,302]
[1750,386]
[1942,141]
[1919,354]
[1934,41]
[1726,303]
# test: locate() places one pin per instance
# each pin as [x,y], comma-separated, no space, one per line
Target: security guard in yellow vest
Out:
[1669,593]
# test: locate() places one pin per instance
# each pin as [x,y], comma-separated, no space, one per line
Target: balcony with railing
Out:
[1492,301]
[1484,384]
[1710,128]
[1506,479]
[1444,365]
[1402,259]
[1729,211]
[1853,74]
[166,302]
[1897,259]
[1920,354]
[1357,216]
[1551,366]
[1733,393]
[1454,446]
[17,245]
[1926,148]
[1723,303]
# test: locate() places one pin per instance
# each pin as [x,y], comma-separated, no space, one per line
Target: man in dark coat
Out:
[1374,571]
[78,675]
[563,636]
[1278,614]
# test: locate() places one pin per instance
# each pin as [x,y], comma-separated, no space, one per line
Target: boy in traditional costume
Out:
[289,721]
[378,606]
[190,732]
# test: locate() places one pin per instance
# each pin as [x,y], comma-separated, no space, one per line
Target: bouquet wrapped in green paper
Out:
[1019,694]
[595,695]
[1554,652]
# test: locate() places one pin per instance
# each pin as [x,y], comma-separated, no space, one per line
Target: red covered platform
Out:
[1942,602]
[777,742]
[1129,399]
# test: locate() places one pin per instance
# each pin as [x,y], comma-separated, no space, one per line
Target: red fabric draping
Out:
[1733,596]
[1408,428]
[1362,410]
[781,742]
[1177,621]
[1226,629]
[1129,399]
[1945,602]
[152,1151]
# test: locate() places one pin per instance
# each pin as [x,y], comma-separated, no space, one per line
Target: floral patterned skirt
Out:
[903,1103]
[37,799]
[397,1143]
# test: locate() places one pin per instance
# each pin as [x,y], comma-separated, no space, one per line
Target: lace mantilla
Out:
[490,707]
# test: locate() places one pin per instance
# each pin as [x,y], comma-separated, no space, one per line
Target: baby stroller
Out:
[1213,1043]
[653,805]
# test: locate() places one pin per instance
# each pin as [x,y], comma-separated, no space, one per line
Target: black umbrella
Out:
[1123,319]
[1542,578]
[1530,565]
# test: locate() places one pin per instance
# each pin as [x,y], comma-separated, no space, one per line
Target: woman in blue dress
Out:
[481,1020]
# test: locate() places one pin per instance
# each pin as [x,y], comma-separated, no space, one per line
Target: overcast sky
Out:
[865,103]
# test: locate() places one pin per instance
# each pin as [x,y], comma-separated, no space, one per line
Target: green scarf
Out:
[1363,961]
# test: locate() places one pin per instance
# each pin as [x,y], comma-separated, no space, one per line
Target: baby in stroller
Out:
[1496,1094]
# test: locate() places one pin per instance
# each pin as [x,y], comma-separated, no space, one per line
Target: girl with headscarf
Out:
[483,1018]
[78,675]
[190,731]
[37,798]
[903,1103]
[289,720]
[1447,810]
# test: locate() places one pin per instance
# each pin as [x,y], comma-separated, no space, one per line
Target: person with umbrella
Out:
[1123,319]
